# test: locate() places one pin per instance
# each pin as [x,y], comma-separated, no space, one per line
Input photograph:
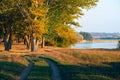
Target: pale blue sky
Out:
[105,17]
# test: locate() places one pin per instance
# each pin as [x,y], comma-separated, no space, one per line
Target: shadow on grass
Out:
[6,77]
[107,71]
[39,73]
[10,70]
[110,49]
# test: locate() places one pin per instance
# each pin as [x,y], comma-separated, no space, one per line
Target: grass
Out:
[88,64]
[75,64]
[11,68]
[40,71]
[90,72]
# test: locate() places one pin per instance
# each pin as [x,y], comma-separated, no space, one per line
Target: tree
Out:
[86,36]
[10,19]
[34,12]
[51,19]
[38,11]
[64,13]
[1,31]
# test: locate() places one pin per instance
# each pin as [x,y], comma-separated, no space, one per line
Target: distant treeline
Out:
[109,38]
[103,36]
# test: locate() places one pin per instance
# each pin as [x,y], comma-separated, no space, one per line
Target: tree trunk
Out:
[6,39]
[24,40]
[43,42]
[18,39]
[33,42]
[37,44]
[10,39]
[6,42]
[27,41]
[33,45]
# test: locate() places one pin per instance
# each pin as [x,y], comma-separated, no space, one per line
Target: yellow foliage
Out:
[67,33]
[39,27]
[39,12]
[37,3]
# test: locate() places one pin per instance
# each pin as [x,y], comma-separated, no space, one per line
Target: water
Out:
[92,45]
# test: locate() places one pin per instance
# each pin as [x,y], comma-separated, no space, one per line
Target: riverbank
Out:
[100,40]
[105,40]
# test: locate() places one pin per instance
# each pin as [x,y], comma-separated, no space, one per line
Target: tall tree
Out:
[59,14]
[34,12]
[63,13]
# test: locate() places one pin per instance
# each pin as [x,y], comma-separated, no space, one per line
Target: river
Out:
[95,45]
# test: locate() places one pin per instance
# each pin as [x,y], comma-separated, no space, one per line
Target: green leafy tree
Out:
[34,12]
[87,36]
[46,18]
[62,15]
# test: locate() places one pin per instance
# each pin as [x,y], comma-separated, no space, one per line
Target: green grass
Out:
[40,71]
[94,65]
[11,66]
[10,70]
[90,72]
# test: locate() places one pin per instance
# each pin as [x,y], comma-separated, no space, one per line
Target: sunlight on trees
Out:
[35,20]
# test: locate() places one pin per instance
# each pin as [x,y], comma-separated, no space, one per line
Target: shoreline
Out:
[105,40]
[100,41]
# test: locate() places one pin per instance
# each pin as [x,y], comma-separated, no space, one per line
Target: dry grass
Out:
[67,55]
[93,64]
[77,56]
[76,64]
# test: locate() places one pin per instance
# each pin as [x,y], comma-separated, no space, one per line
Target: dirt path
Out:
[55,70]
[25,73]
[55,75]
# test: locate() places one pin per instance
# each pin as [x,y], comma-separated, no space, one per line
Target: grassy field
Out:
[96,64]
[11,66]
[75,64]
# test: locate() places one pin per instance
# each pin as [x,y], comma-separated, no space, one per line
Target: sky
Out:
[105,17]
